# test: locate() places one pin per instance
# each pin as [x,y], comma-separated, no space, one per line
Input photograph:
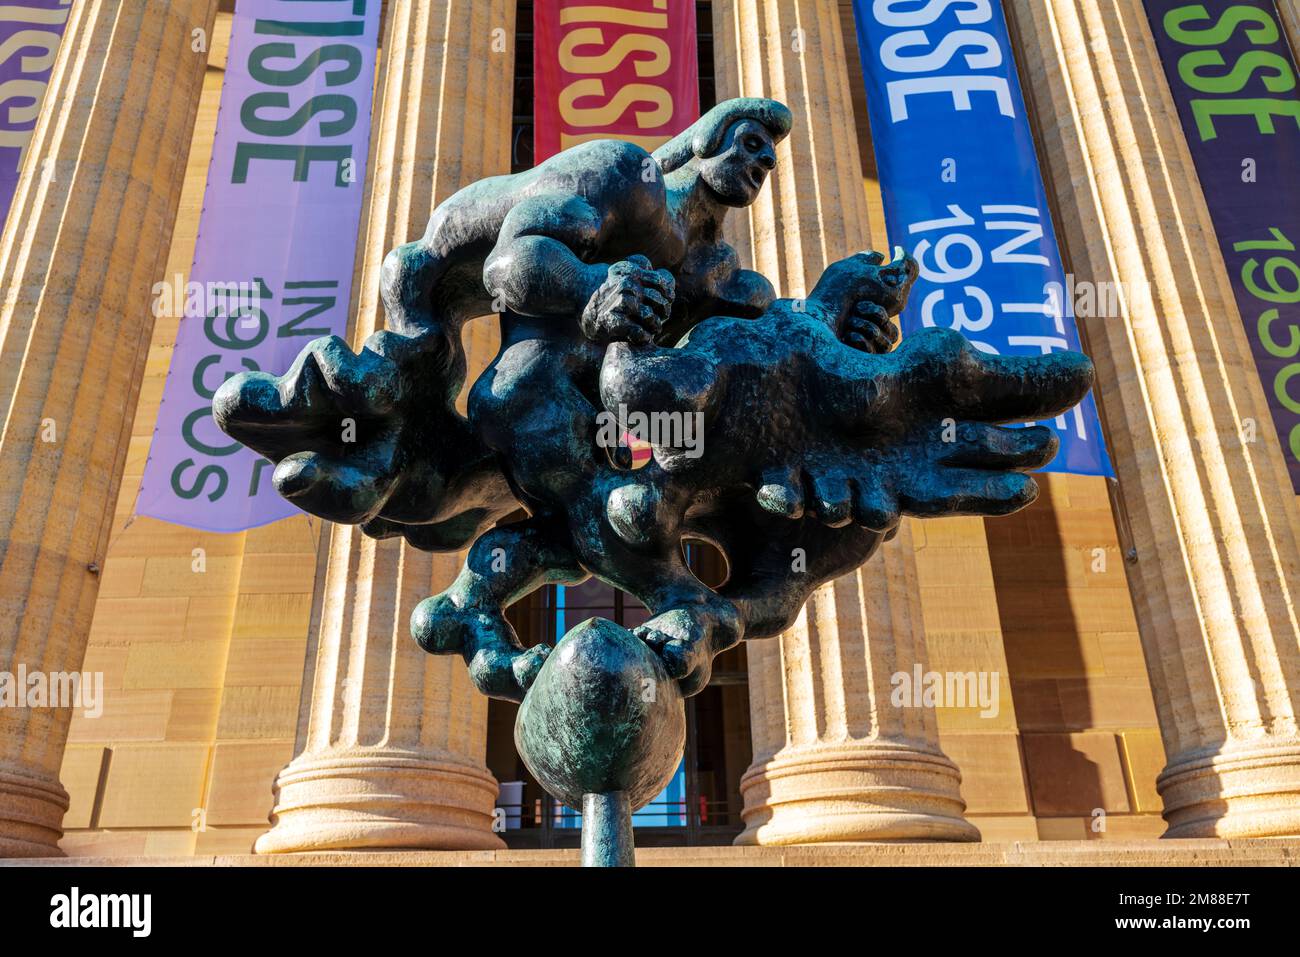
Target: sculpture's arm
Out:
[746,294]
[406,280]
[538,268]
[711,283]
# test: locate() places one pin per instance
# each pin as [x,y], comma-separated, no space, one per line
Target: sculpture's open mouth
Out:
[756,175]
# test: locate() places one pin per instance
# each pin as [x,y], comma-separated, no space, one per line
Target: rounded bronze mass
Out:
[603,716]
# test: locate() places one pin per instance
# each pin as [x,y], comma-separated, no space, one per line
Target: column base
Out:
[31,814]
[371,798]
[1244,789]
[859,792]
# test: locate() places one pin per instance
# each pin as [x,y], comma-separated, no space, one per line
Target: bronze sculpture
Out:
[784,432]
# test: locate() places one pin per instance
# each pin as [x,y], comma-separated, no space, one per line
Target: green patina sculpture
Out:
[785,433]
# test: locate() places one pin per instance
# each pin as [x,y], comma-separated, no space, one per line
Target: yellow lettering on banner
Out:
[661,100]
[632,18]
[625,45]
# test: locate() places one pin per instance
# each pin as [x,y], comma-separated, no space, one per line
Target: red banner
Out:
[625,69]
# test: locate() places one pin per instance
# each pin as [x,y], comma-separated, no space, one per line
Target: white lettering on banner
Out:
[971,11]
[934,255]
[986,55]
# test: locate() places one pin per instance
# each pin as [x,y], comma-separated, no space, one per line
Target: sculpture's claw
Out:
[681,638]
[357,434]
[497,665]
[328,423]
[832,498]
[874,508]
[971,492]
[685,660]
[925,427]
[991,447]
[304,409]
[780,492]
[338,489]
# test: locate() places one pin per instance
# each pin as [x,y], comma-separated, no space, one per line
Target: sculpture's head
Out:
[732,147]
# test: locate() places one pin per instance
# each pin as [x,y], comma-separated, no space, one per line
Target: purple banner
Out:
[30,32]
[1233,77]
[276,244]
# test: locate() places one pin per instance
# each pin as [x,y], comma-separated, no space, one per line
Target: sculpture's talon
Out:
[680,640]
[983,446]
[780,492]
[492,670]
[874,508]
[651,636]
[498,667]
[439,626]
[832,499]
[442,627]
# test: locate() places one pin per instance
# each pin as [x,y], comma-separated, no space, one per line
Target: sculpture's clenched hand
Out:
[631,305]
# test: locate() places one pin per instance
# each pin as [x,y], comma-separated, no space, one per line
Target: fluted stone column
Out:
[833,759]
[1214,518]
[85,241]
[1291,20]
[392,740]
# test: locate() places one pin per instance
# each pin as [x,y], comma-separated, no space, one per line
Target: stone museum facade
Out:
[1117,663]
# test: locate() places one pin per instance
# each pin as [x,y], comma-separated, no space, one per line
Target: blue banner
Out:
[963,191]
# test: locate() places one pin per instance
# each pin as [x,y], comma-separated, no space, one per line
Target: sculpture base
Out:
[381,799]
[862,791]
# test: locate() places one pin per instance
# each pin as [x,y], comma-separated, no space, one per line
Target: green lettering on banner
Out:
[301,156]
[335,52]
